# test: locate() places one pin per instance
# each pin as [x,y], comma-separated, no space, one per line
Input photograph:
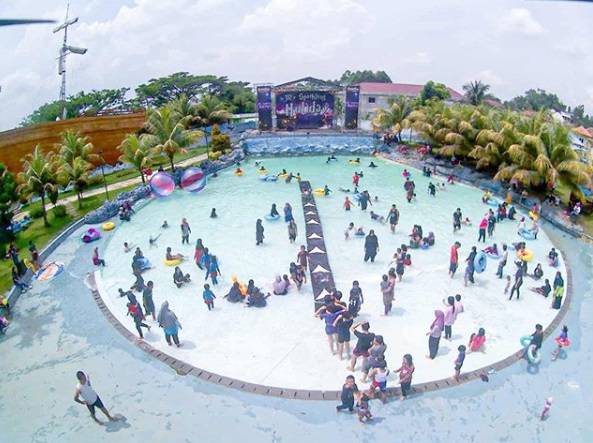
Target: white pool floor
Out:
[283,345]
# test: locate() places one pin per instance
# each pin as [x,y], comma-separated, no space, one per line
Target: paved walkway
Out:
[57,331]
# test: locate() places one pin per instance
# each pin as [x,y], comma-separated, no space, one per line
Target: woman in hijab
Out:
[170,324]
[280,287]
[234,295]
[259,232]
[199,252]
[558,291]
[436,329]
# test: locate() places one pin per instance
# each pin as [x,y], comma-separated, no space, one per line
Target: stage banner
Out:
[264,107]
[351,113]
[304,110]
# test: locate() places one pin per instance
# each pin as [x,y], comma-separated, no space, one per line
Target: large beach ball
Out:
[193,179]
[162,184]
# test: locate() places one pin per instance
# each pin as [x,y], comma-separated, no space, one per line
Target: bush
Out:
[59,211]
[36,212]
[214,156]
[219,142]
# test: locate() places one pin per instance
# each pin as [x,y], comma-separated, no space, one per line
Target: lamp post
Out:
[103,172]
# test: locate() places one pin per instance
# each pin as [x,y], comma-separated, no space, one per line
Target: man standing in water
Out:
[185,231]
[89,397]
[393,218]
[454,259]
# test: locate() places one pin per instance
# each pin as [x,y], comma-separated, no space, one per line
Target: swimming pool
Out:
[283,345]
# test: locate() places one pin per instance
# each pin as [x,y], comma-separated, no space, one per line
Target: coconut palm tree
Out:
[136,152]
[210,110]
[76,174]
[167,133]
[475,91]
[38,177]
[395,119]
[73,145]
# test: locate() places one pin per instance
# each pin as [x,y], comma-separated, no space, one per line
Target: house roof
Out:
[399,89]
[582,131]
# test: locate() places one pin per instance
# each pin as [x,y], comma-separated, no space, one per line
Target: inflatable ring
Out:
[29,265]
[319,192]
[238,173]
[563,343]
[480,262]
[356,196]
[283,175]
[527,234]
[271,217]
[271,178]
[525,340]
[491,255]
[353,162]
[534,355]
[108,226]
[359,234]
[262,171]
[533,216]
[172,262]
[492,202]
[525,255]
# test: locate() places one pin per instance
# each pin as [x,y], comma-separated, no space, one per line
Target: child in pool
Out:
[359,231]
[363,409]
[208,296]
[165,224]
[348,230]
[169,256]
[466,222]
[377,217]
[213,214]
[347,204]
[274,211]
[508,285]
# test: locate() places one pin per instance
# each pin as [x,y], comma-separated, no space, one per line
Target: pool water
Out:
[283,344]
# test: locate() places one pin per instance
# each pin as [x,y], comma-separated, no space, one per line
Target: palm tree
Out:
[76,174]
[208,111]
[475,91]
[136,152]
[394,119]
[38,177]
[73,145]
[167,133]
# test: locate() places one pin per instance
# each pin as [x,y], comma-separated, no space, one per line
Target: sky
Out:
[512,45]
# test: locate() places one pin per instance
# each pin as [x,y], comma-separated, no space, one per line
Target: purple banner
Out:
[304,110]
[264,107]
[351,113]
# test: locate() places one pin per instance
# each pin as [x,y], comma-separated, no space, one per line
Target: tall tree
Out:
[394,119]
[136,152]
[210,110]
[8,195]
[38,177]
[352,78]
[90,103]
[433,92]
[475,91]
[167,133]
[536,100]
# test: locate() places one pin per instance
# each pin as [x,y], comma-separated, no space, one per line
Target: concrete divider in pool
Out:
[322,279]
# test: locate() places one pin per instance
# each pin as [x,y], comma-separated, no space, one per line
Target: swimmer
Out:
[165,224]
[238,171]
[128,247]
[274,211]
[359,231]
[347,204]
[152,240]
[466,222]
[372,165]
[356,160]
[377,217]
[288,178]
[344,190]
[170,256]
[298,177]
[256,163]
[262,168]
[213,214]
[376,199]
[283,172]
[361,174]
[326,190]
[349,230]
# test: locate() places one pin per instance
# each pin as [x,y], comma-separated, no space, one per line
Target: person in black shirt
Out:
[537,339]
[349,389]
[518,280]
[371,246]
[344,323]
[365,341]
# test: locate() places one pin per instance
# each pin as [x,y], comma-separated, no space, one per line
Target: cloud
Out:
[520,21]
[420,58]
[489,77]
[573,48]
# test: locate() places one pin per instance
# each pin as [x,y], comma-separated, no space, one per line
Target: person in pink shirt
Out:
[476,341]
[450,316]
[482,229]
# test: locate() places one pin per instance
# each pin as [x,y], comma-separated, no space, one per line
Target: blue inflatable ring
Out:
[525,340]
[527,234]
[480,262]
[271,217]
[491,255]
[492,202]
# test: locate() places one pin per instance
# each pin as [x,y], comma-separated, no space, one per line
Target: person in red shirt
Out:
[454,259]
[302,257]
[347,204]
[355,179]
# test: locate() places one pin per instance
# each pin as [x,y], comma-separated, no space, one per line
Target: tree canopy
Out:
[8,195]
[83,103]
[352,78]
[476,91]
[433,92]
[536,100]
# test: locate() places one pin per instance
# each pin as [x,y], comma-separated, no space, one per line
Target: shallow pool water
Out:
[283,344]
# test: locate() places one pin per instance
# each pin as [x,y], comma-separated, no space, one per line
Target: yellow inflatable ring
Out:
[238,173]
[525,255]
[353,162]
[172,262]
[262,171]
[282,175]
[319,192]
[533,216]
[108,226]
